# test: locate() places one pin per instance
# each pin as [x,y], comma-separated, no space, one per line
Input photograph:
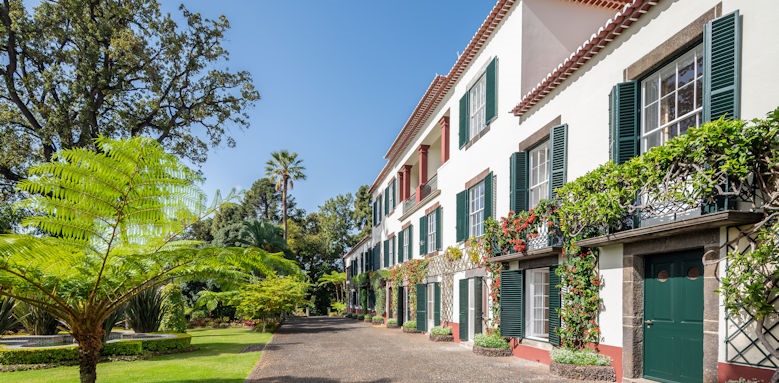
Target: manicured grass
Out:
[217,360]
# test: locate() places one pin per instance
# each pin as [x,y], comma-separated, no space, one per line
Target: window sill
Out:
[477,137]
[537,343]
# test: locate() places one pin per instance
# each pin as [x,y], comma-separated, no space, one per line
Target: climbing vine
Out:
[411,272]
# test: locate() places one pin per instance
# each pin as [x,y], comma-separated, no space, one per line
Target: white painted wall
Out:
[610,317]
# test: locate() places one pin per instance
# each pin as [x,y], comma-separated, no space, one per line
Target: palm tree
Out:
[338,280]
[284,168]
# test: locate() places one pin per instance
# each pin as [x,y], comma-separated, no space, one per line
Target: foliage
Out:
[453,253]
[263,235]
[360,316]
[368,318]
[144,311]
[178,342]
[8,320]
[361,215]
[111,321]
[336,223]
[412,273]
[272,297]
[218,358]
[378,319]
[35,320]
[338,280]
[173,318]
[440,330]
[579,275]
[263,201]
[32,355]
[112,223]
[75,71]
[490,341]
[410,324]
[338,307]
[580,357]
[480,251]
[125,347]
[378,280]
[392,321]
[283,169]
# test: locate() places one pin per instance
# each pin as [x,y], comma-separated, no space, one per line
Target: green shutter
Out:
[423,235]
[558,139]
[410,234]
[554,306]
[386,253]
[376,257]
[512,305]
[422,307]
[399,249]
[401,310]
[721,67]
[463,120]
[437,304]
[438,228]
[463,309]
[488,196]
[477,316]
[518,193]
[623,121]
[462,216]
[386,200]
[491,97]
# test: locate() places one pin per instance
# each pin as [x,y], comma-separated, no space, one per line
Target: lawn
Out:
[217,360]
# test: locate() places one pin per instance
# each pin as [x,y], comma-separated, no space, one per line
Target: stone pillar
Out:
[401,192]
[632,316]
[444,122]
[422,170]
[710,314]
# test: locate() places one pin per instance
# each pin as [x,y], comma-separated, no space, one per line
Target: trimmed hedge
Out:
[124,348]
[33,355]
[180,342]
[45,355]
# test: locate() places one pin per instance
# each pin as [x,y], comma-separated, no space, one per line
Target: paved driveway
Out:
[331,350]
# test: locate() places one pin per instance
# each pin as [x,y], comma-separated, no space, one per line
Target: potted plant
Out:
[392,323]
[410,327]
[359,316]
[583,364]
[378,320]
[368,318]
[441,334]
[491,345]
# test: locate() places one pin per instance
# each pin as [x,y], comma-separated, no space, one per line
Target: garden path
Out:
[334,350]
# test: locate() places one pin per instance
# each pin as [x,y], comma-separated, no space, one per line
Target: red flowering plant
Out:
[413,272]
[580,285]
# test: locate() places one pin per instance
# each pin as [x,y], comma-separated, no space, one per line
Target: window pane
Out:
[650,91]
[667,109]
[687,123]
[685,99]
[668,80]
[686,71]
[698,93]
[650,117]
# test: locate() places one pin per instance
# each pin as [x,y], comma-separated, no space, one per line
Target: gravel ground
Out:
[334,350]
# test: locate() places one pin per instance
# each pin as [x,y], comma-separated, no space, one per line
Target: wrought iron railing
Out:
[425,190]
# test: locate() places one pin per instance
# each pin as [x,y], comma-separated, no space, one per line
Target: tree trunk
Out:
[763,338]
[90,342]
[284,209]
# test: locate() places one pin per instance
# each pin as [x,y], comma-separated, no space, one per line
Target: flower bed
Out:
[442,338]
[392,323]
[494,352]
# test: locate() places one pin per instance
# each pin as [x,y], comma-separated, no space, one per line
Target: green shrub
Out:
[439,330]
[35,355]
[490,341]
[377,318]
[410,324]
[392,321]
[360,316]
[173,318]
[125,347]
[145,311]
[368,318]
[179,342]
[36,320]
[585,357]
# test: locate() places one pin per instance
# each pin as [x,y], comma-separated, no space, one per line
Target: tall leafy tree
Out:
[362,212]
[337,280]
[283,169]
[113,221]
[73,70]
[263,201]
[263,235]
[336,223]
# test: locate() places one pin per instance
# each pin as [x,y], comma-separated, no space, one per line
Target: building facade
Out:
[546,91]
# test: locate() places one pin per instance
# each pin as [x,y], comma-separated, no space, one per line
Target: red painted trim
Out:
[615,353]
[432,208]
[444,122]
[530,353]
[455,330]
[405,225]
[727,371]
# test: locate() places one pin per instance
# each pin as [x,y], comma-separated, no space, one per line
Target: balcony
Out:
[425,192]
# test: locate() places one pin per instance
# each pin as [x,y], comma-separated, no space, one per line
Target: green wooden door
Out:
[673,317]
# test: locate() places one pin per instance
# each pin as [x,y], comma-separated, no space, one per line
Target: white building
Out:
[555,65]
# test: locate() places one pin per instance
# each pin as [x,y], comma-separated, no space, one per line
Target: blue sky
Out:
[338,79]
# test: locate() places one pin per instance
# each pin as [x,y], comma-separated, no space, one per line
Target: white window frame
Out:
[477,107]
[391,196]
[476,203]
[431,232]
[430,306]
[471,308]
[538,178]
[652,114]
[537,304]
